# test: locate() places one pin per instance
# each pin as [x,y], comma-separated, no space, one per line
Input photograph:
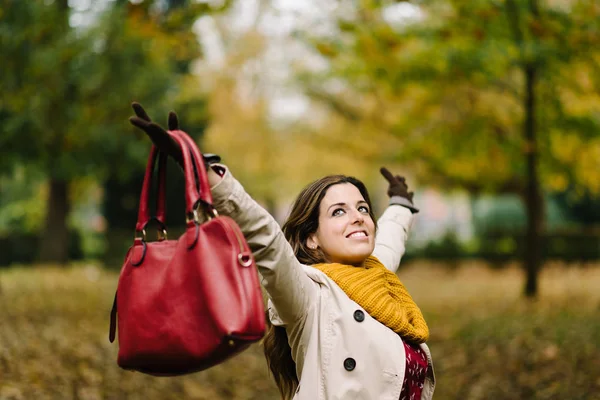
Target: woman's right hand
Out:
[161,138]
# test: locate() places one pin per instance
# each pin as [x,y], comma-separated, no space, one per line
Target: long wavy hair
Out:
[300,225]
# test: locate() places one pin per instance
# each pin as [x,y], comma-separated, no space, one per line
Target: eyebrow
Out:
[344,204]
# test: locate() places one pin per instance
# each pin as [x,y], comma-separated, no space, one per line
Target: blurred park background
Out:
[490,108]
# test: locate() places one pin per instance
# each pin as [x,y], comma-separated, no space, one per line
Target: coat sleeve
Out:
[288,286]
[392,232]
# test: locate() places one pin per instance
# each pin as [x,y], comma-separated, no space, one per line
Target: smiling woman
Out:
[342,324]
[331,229]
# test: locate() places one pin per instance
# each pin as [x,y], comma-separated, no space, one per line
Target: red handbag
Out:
[185,305]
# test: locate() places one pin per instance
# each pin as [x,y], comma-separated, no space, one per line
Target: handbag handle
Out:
[144,211]
[197,187]
[199,167]
[161,203]
[196,158]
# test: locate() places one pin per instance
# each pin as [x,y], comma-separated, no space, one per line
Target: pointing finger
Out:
[387,175]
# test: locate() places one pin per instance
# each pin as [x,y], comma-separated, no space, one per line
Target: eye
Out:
[363,209]
[337,212]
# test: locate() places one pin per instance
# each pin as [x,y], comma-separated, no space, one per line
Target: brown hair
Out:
[302,222]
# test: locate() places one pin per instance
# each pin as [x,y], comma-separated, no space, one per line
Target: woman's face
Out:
[346,232]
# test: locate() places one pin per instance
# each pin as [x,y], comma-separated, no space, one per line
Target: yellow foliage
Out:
[326,49]
[54,344]
[565,147]
[580,97]
[587,168]
[275,162]
[558,182]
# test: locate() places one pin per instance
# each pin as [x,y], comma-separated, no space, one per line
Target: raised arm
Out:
[394,225]
[289,288]
[392,232]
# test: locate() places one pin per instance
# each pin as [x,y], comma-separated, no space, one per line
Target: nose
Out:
[358,218]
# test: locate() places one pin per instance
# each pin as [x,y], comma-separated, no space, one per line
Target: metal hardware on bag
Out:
[162,234]
[231,343]
[244,260]
[195,216]
[211,212]
[143,232]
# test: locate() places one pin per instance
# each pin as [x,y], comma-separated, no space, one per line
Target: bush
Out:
[503,246]
[23,248]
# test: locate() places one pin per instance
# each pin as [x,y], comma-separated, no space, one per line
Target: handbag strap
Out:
[113,320]
[161,190]
[191,192]
[199,167]
[144,211]
[196,187]
[196,177]
[196,181]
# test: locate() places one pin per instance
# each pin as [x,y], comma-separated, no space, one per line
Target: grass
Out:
[487,341]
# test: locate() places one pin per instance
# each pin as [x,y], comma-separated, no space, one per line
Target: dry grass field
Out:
[487,342]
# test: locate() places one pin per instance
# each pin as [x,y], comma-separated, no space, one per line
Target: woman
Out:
[342,324]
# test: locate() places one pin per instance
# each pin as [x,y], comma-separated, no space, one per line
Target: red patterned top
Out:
[416,371]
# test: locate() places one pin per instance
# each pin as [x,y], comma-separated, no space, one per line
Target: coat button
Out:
[359,315]
[349,364]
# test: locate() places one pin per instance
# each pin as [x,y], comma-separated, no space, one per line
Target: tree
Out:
[71,88]
[495,96]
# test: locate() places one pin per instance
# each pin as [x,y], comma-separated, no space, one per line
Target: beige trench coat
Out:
[339,353]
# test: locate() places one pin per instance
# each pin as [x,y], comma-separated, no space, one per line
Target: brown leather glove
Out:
[398,190]
[161,138]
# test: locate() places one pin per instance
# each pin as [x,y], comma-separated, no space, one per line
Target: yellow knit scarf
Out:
[380,292]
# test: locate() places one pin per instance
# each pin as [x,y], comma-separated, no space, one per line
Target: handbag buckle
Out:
[161,231]
[143,232]
[194,215]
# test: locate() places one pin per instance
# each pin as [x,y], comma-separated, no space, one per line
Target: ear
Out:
[312,242]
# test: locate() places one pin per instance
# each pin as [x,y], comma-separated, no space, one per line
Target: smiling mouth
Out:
[357,234]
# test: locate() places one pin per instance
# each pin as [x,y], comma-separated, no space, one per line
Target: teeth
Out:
[356,234]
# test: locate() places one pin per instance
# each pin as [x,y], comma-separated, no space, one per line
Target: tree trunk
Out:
[54,240]
[54,246]
[534,204]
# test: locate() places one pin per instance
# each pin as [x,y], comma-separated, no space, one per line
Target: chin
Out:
[356,259]
[352,255]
